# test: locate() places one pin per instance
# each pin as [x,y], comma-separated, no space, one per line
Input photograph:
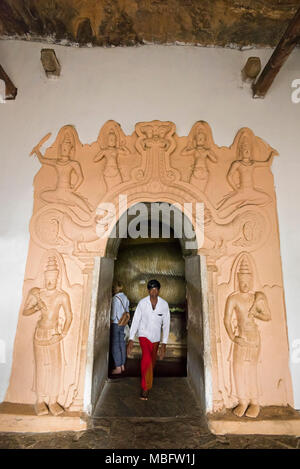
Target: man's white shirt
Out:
[148,322]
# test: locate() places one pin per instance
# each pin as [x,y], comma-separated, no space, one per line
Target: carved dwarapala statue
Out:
[247,306]
[48,336]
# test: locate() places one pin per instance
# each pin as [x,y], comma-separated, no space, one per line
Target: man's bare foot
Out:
[253,411]
[56,409]
[122,368]
[116,371]
[41,408]
[240,409]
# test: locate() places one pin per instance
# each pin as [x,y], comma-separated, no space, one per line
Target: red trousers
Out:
[149,352]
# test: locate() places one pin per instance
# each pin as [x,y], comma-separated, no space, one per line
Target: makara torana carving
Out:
[155,164]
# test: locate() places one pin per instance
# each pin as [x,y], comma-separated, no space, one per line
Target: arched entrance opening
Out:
[138,261]
[168,253]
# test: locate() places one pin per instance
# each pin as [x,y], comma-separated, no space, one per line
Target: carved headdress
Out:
[259,149]
[109,128]
[244,267]
[68,134]
[244,264]
[203,127]
[52,266]
[246,136]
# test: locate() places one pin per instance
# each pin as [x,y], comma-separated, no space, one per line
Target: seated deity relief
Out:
[48,339]
[244,191]
[65,191]
[67,219]
[247,307]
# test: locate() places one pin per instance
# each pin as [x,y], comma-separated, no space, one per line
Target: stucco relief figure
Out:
[244,192]
[248,229]
[155,143]
[155,137]
[48,337]
[247,306]
[112,146]
[200,147]
[52,227]
[66,167]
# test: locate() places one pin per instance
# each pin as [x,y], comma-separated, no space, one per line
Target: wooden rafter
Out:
[278,58]
[11,90]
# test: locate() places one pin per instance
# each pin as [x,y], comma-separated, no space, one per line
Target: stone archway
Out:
[98,342]
[69,240]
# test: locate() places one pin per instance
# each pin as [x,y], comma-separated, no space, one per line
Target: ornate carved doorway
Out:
[237,324]
[177,267]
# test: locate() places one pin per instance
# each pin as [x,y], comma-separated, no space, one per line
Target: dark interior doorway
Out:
[138,261]
[181,267]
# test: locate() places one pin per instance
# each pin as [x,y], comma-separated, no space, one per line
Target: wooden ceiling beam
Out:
[278,58]
[10,89]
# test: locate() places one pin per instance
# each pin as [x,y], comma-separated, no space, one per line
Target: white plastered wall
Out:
[178,83]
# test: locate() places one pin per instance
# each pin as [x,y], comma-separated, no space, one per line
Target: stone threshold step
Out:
[19,418]
[272,420]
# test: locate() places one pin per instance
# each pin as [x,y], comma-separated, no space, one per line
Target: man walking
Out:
[151,317]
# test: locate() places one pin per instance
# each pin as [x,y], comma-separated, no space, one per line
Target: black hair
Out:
[153,284]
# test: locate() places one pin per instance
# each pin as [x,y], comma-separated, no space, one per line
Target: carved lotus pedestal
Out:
[237,341]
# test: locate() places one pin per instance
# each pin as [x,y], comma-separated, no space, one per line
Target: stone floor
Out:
[170,419]
[169,398]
